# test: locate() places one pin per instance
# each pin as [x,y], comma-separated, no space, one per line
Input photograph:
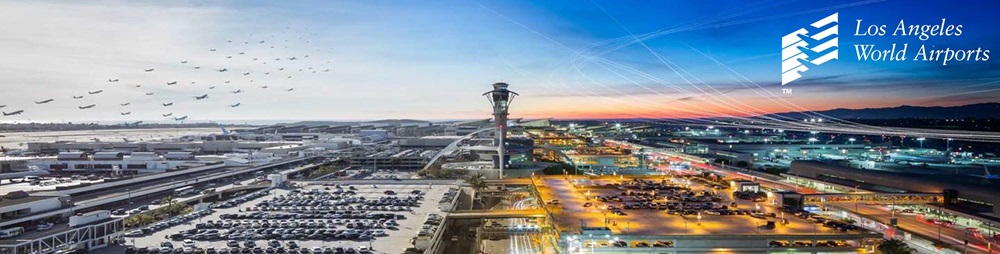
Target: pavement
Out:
[571,214]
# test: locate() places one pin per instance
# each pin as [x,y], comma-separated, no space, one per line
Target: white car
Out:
[45,226]
[188,243]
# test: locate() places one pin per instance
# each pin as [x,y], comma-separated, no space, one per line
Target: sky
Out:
[434,59]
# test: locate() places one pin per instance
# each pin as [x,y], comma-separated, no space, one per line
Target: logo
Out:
[799,47]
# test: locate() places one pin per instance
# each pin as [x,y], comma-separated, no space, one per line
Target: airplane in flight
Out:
[126,113]
[137,86]
[168,104]
[223,70]
[289,76]
[281,69]
[149,70]
[13,113]
[267,73]
[149,93]
[235,105]
[292,58]
[211,87]
[133,123]
[180,118]
[184,62]
[96,92]
[237,91]
[228,57]
[44,101]
[197,67]
[125,104]
[289,90]
[255,59]
[78,97]
[3,106]
[88,106]
[211,49]
[203,96]
[227,81]
[112,80]
[171,83]
[327,70]
[168,114]
[261,41]
[241,53]
[263,87]
[246,73]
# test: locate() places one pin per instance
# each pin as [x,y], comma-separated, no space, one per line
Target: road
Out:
[954,235]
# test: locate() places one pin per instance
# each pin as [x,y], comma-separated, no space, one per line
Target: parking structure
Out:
[318,218]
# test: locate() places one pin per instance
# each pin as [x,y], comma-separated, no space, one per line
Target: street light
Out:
[921,139]
[851,140]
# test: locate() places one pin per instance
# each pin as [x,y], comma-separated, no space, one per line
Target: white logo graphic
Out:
[794,49]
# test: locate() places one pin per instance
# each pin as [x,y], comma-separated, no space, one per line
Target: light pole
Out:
[500,99]
[851,140]
[921,139]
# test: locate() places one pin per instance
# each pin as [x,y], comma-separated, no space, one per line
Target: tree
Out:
[478,184]
[894,246]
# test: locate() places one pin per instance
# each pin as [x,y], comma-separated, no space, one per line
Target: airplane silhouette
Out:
[13,113]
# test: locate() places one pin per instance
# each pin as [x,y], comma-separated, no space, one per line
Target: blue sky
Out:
[432,60]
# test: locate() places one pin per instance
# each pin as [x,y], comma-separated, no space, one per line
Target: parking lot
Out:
[667,205]
[314,216]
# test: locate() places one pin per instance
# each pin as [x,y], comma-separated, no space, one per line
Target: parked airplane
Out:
[88,106]
[44,101]
[235,105]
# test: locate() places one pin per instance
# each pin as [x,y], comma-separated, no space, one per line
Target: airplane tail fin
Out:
[224,131]
[988,175]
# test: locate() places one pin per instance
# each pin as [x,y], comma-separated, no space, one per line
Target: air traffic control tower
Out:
[500,99]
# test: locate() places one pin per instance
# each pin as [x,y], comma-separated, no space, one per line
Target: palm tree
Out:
[894,246]
[478,184]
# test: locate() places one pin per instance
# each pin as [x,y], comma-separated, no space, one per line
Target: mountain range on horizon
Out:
[978,110]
